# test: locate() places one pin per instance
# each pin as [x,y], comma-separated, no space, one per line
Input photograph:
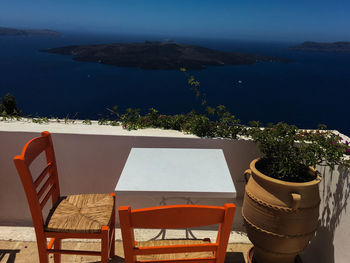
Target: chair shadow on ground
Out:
[234,257]
[231,257]
[12,255]
[116,259]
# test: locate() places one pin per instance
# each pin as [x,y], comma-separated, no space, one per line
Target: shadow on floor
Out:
[116,259]
[11,252]
[234,257]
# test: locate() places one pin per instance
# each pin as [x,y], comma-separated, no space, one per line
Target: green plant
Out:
[288,151]
[103,121]
[114,123]
[4,115]
[227,125]
[219,123]
[40,120]
[194,85]
[198,124]
[8,105]
[87,122]
[132,119]
[74,118]
[66,119]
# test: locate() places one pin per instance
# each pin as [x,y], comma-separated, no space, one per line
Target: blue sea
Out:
[313,89]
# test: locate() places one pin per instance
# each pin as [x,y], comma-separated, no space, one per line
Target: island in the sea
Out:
[6,31]
[159,55]
[341,46]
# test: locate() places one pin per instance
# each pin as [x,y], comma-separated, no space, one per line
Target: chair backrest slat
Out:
[43,189]
[175,249]
[42,175]
[177,216]
[47,196]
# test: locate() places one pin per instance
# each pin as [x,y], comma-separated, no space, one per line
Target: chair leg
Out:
[105,244]
[43,255]
[112,230]
[57,245]
[112,251]
[112,236]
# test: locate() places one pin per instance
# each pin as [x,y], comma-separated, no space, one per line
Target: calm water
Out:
[313,89]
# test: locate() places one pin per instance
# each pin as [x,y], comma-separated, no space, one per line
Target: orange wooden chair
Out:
[75,216]
[176,216]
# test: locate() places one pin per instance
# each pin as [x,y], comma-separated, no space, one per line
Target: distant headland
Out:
[340,46]
[6,31]
[159,55]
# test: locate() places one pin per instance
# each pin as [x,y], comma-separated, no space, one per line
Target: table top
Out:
[176,172]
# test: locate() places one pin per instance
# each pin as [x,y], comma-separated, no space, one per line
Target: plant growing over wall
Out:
[40,120]
[87,122]
[288,151]
[8,106]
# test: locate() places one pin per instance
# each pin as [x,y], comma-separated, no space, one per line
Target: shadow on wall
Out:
[335,192]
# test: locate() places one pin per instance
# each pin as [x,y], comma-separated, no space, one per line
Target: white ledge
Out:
[78,127]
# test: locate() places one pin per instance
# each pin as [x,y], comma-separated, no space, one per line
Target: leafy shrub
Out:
[288,151]
[8,106]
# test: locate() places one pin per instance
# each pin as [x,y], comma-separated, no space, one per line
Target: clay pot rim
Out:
[280,182]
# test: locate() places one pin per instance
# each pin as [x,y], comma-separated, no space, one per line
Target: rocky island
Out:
[340,46]
[6,31]
[159,55]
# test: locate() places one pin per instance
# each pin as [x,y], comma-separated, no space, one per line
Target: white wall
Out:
[332,240]
[92,163]
[90,160]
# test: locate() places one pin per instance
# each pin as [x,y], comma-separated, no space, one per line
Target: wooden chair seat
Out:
[85,213]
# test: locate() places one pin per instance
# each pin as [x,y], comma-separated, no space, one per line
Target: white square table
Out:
[167,176]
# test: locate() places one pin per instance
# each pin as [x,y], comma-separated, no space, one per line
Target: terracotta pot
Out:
[281,217]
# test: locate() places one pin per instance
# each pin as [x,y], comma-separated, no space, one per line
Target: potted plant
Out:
[281,202]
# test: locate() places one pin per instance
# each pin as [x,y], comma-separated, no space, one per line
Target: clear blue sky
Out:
[282,20]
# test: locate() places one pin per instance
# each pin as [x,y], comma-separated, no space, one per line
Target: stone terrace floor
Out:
[27,252]
[17,245]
